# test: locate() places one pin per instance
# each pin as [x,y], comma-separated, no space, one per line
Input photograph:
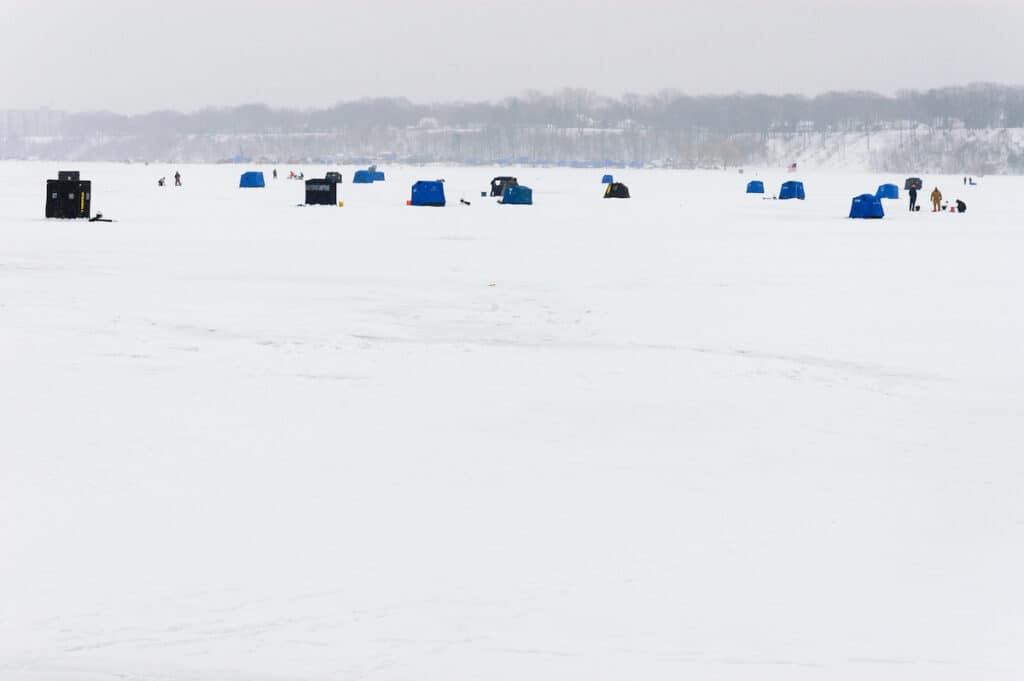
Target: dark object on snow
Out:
[68,175]
[99,218]
[755,187]
[498,185]
[867,207]
[428,193]
[333,176]
[251,180]
[69,198]
[792,190]
[517,195]
[464,202]
[961,207]
[913,183]
[321,192]
[616,190]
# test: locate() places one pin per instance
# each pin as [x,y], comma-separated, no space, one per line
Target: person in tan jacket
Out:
[936,200]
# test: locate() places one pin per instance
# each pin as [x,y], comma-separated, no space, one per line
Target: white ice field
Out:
[691,435]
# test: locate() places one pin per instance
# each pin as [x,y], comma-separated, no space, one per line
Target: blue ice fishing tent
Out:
[427,193]
[252,179]
[888,191]
[607,179]
[377,175]
[755,187]
[866,206]
[517,195]
[791,190]
[362,177]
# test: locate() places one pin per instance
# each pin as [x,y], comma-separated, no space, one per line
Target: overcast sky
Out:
[140,55]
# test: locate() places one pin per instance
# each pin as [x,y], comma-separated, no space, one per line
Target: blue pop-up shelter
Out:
[607,179]
[866,206]
[377,175]
[888,191]
[517,195]
[427,193]
[792,190]
[252,179]
[755,187]
[362,177]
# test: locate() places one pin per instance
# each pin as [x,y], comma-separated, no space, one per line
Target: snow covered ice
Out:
[694,434]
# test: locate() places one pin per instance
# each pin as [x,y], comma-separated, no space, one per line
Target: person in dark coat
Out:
[961,207]
[177,179]
[913,199]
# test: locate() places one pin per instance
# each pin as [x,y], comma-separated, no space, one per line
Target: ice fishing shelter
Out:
[616,190]
[321,192]
[68,196]
[866,206]
[428,193]
[755,187]
[607,179]
[498,185]
[251,179]
[517,195]
[375,175]
[913,183]
[362,177]
[792,190]
[888,191]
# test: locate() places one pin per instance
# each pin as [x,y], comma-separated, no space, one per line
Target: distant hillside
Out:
[975,129]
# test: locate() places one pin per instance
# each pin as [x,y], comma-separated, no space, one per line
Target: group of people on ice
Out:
[163,180]
[938,205]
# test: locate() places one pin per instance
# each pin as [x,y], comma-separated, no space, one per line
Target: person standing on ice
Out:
[936,200]
[177,179]
[913,199]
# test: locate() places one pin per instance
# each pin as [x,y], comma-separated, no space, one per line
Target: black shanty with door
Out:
[616,190]
[321,192]
[498,185]
[68,196]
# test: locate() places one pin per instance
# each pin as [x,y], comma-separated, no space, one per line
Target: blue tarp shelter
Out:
[517,195]
[755,187]
[362,177]
[252,179]
[866,206]
[377,175]
[607,179]
[428,193]
[888,191]
[792,190]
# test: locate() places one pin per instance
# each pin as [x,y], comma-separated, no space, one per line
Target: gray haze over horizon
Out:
[132,57]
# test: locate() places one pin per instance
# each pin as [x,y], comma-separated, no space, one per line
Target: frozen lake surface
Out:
[690,435]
